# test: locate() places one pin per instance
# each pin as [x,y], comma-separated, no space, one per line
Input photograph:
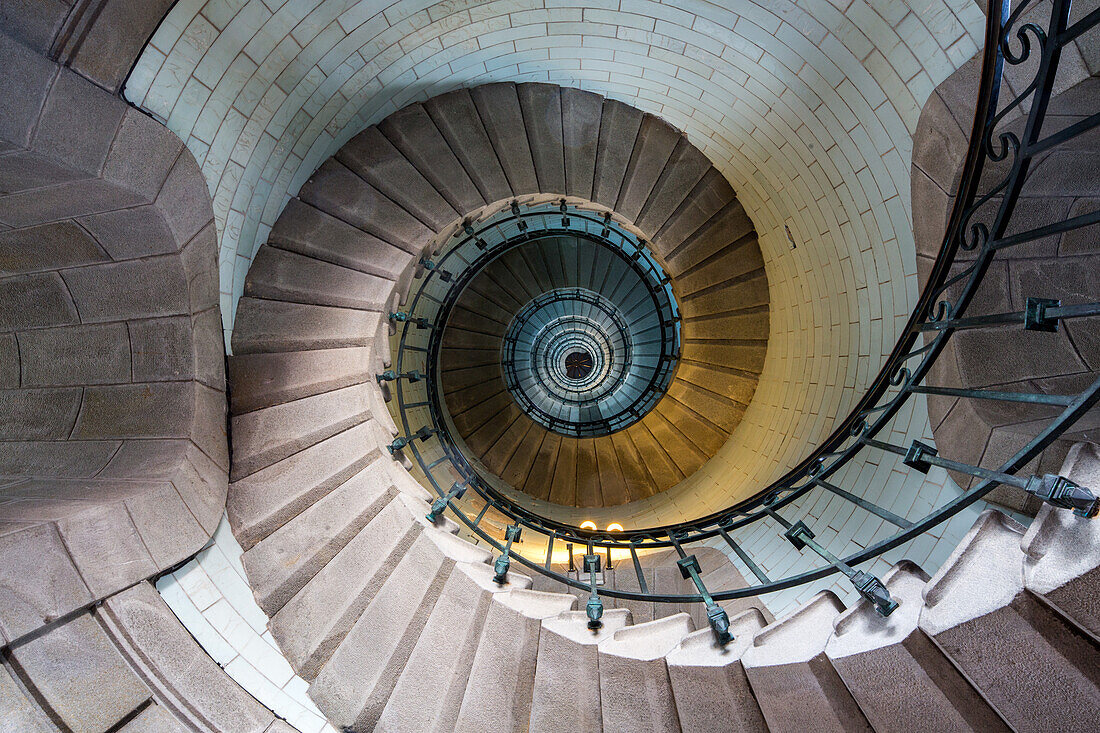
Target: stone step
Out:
[277,274]
[457,119]
[184,678]
[309,231]
[580,113]
[978,612]
[429,690]
[266,500]
[635,691]
[542,118]
[337,190]
[377,161]
[266,436]
[729,226]
[1062,550]
[502,677]
[257,381]
[284,561]
[709,683]
[619,126]
[652,149]
[685,168]
[314,621]
[901,681]
[567,674]
[498,107]
[710,195]
[792,679]
[354,685]
[412,131]
[272,325]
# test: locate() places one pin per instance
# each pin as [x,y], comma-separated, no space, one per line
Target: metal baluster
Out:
[456,491]
[550,549]
[1056,490]
[744,556]
[594,607]
[861,502]
[866,584]
[716,615]
[402,316]
[502,564]
[638,569]
[413,375]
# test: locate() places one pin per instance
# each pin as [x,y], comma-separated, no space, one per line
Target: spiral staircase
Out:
[409,352]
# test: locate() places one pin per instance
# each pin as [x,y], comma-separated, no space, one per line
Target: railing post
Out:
[512,534]
[866,584]
[440,505]
[402,316]
[594,608]
[716,615]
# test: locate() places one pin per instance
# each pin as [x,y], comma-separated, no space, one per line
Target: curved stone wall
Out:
[113,458]
[807,112]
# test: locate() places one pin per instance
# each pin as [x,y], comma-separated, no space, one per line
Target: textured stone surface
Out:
[268,325]
[264,380]
[19,715]
[635,691]
[81,675]
[568,660]
[457,119]
[281,275]
[499,108]
[106,548]
[38,582]
[708,682]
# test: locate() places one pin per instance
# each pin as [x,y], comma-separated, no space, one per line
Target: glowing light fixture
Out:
[589,524]
[614,527]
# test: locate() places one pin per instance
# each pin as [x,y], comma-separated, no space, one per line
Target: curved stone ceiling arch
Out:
[808,110]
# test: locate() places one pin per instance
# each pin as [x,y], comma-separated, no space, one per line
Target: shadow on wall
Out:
[113,456]
[1061,184]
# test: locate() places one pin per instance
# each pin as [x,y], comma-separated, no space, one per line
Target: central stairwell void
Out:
[499,334]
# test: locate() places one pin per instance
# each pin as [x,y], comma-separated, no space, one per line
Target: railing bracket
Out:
[916,458]
[1035,317]
[1059,491]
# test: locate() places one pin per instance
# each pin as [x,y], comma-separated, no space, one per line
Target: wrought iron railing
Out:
[995,172]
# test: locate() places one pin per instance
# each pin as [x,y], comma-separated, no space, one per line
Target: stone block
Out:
[81,676]
[209,429]
[17,713]
[47,247]
[134,289]
[269,326]
[131,233]
[115,39]
[75,355]
[284,561]
[185,675]
[203,486]
[106,548]
[542,116]
[154,718]
[457,119]
[412,131]
[38,581]
[581,114]
[500,112]
[162,349]
[502,677]
[265,436]
[708,682]
[899,678]
[710,196]
[200,265]
[23,170]
[23,89]
[619,127]
[264,501]
[263,380]
[146,459]
[635,690]
[977,612]
[184,199]
[1062,550]
[313,623]
[208,360]
[34,301]
[429,690]
[685,168]
[939,143]
[794,683]
[142,154]
[66,200]
[309,231]
[56,458]
[652,150]
[568,660]
[280,275]
[10,366]
[35,22]
[377,161]
[150,410]
[335,189]
[78,123]
[166,526]
[38,414]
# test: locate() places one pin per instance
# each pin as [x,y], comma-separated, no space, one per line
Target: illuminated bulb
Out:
[588,524]
[614,527]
